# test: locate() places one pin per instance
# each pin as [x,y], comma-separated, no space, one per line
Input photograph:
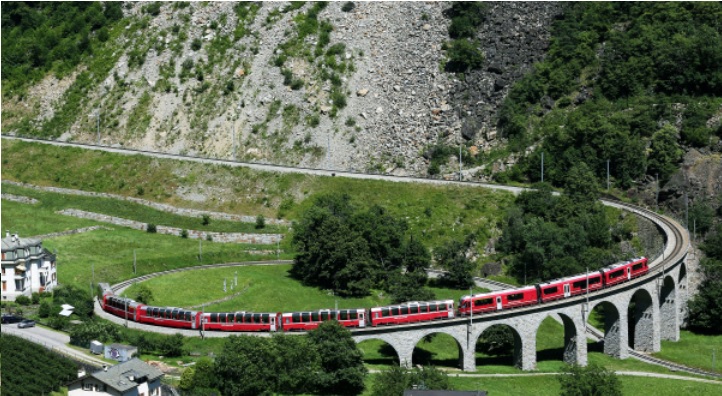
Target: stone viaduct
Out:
[651,306]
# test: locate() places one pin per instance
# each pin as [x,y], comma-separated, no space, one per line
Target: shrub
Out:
[464,55]
[260,222]
[206,219]
[23,300]
[196,44]
[348,6]
[184,234]
[35,297]
[151,228]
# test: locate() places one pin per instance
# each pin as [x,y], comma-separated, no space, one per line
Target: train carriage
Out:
[169,317]
[241,321]
[571,286]
[412,312]
[121,306]
[309,320]
[497,301]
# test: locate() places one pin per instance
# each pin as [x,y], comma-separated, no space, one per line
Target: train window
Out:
[296,317]
[188,316]
[404,310]
[551,290]
[222,318]
[156,312]
[248,318]
[324,315]
[637,267]
[594,281]
[483,301]
[214,318]
[414,309]
[394,310]
[515,296]
[264,317]
[353,315]
[616,274]
[580,284]
[433,308]
[384,312]
[424,308]
[314,316]
[256,318]
[343,315]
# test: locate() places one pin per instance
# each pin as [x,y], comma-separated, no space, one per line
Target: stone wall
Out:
[19,198]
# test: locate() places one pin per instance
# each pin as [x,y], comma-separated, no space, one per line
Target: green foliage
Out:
[184,233]
[143,294]
[464,55]
[246,366]
[50,36]
[78,298]
[23,300]
[551,237]
[342,371]
[593,380]
[344,249]
[665,153]
[348,6]
[45,309]
[496,340]
[205,219]
[151,228]
[705,309]
[260,222]
[395,380]
[452,257]
[30,369]
[466,17]
[82,334]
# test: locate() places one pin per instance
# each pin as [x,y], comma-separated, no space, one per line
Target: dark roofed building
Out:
[131,378]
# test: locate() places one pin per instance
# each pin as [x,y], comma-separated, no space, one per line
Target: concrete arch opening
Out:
[556,340]
[499,345]
[439,350]
[640,312]
[605,317]
[379,352]
[668,311]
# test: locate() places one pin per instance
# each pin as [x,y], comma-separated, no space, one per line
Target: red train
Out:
[553,290]
[410,312]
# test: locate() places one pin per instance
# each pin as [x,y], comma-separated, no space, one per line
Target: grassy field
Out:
[435,213]
[53,202]
[15,215]
[262,288]
[694,350]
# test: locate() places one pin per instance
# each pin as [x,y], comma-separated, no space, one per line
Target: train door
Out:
[498,303]
[567,292]
[629,273]
[273,322]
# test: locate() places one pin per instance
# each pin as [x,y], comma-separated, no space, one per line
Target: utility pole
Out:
[542,173]
[200,250]
[328,152]
[656,199]
[134,261]
[607,175]
[97,115]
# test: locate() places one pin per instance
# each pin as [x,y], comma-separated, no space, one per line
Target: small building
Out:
[119,352]
[26,267]
[131,378]
[96,347]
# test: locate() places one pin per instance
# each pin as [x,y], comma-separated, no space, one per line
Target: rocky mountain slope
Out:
[203,78]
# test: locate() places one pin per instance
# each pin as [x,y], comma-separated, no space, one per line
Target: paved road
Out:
[52,340]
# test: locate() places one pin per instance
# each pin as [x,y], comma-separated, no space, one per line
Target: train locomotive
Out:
[399,314]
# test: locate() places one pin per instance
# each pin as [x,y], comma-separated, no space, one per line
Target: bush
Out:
[196,44]
[464,55]
[206,219]
[260,222]
[23,300]
[151,229]
[35,297]
[348,6]
[184,234]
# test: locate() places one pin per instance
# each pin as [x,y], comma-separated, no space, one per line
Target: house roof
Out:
[12,242]
[125,376]
[443,393]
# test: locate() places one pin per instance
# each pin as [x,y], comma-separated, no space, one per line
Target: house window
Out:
[87,387]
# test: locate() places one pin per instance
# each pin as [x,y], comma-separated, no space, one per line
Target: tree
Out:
[496,340]
[143,294]
[593,380]
[452,257]
[260,222]
[200,379]
[665,153]
[246,366]
[397,379]
[464,55]
[82,334]
[296,362]
[342,371]
[705,309]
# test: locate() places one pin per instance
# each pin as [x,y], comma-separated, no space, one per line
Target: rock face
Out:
[399,100]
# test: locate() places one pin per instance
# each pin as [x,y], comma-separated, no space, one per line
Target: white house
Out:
[131,378]
[26,267]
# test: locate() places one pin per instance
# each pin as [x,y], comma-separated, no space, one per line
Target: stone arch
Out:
[379,351]
[669,320]
[420,356]
[682,283]
[641,313]
[570,352]
[615,329]
[517,358]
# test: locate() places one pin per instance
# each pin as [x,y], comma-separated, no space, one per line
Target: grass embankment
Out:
[694,350]
[52,202]
[434,213]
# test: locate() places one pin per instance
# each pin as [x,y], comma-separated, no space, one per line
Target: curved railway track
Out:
[674,250]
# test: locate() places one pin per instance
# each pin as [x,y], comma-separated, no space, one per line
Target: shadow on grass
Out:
[495,360]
